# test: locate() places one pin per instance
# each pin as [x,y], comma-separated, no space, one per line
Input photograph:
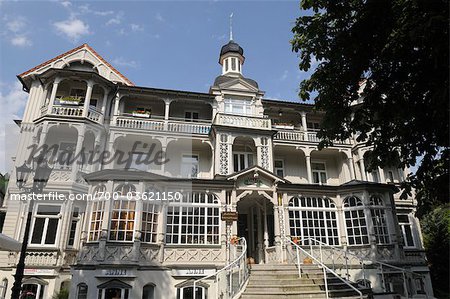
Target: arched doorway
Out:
[256,225]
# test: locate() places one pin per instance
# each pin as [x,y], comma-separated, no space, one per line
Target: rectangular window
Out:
[122,220]
[149,222]
[189,166]
[380,226]
[134,165]
[375,177]
[242,161]
[279,168]
[313,126]
[45,226]
[191,116]
[195,222]
[95,226]
[73,226]
[355,223]
[406,228]
[319,173]
[240,107]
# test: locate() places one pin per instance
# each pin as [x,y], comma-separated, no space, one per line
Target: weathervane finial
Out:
[231,26]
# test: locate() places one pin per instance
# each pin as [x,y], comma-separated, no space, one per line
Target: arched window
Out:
[148,292]
[121,225]
[193,220]
[82,291]
[378,215]
[187,292]
[95,226]
[99,191]
[355,221]
[125,189]
[313,217]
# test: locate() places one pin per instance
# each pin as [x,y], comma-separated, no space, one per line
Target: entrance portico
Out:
[255,202]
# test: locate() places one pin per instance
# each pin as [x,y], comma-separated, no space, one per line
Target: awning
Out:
[9,244]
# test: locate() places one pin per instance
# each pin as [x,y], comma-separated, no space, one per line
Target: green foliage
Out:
[71,99]
[396,53]
[436,234]
[63,294]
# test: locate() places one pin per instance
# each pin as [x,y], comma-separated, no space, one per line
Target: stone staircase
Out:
[281,281]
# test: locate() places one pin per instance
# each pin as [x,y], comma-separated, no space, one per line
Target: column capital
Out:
[57,80]
[90,83]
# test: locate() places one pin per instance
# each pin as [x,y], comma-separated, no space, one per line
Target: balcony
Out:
[72,112]
[301,136]
[181,126]
[239,121]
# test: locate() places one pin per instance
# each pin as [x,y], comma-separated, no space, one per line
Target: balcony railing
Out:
[243,121]
[295,135]
[71,111]
[171,125]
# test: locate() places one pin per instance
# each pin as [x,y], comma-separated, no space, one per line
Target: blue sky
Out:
[173,44]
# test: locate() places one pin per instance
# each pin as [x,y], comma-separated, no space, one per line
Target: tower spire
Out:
[231,27]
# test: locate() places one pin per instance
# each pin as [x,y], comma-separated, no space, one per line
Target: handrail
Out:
[324,267]
[364,259]
[230,265]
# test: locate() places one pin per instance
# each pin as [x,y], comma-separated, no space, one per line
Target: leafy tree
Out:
[436,232]
[382,74]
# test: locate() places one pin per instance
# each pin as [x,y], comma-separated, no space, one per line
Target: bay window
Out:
[121,226]
[313,217]
[95,223]
[355,221]
[239,107]
[378,215]
[193,220]
[149,222]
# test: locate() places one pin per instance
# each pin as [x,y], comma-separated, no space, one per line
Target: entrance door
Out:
[256,225]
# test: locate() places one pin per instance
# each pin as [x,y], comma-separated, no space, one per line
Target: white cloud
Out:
[73,29]
[21,41]
[12,104]
[136,27]
[66,3]
[116,20]
[284,76]
[16,25]
[159,17]
[103,13]
[120,61]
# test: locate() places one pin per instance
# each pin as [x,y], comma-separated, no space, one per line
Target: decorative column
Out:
[363,170]
[105,100]
[381,174]
[351,167]
[166,113]
[53,95]
[78,154]
[308,168]
[87,98]
[304,125]
[116,108]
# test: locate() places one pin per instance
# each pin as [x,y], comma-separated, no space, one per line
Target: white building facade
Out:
[227,150]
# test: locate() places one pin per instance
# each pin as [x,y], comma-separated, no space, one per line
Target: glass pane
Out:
[48,210]
[38,230]
[52,229]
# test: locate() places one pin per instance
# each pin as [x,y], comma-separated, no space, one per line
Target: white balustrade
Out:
[94,115]
[243,121]
[72,111]
[160,125]
[67,111]
[290,135]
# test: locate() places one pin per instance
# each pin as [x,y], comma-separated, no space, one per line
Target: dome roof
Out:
[232,47]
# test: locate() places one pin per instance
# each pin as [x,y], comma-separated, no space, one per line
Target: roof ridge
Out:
[84,45]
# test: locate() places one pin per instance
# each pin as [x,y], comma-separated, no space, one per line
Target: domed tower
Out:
[231,59]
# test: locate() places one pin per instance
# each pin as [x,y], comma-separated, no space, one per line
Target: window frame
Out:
[179,215]
[130,209]
[191,118]
[403,226]
[309,214]
[231,104]
[45,227]
[74,220]
[378,211]
[356,208]
[276,169]
[319,172]
[245,161]
[184,164]
[155,214]
[99,210]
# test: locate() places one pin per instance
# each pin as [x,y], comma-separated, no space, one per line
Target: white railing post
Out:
[346,264]
[298,263]
[326,282]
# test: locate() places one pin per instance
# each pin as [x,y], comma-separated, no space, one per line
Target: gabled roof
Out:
[61,56]
[257,169]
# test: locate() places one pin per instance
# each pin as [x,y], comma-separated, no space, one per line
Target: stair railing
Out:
[324,267]
[238,265]
[362,262]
